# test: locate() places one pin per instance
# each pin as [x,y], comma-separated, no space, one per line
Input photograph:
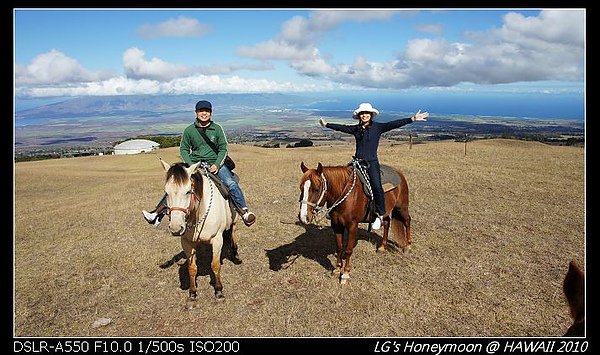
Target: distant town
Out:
[95,125]
[302,137]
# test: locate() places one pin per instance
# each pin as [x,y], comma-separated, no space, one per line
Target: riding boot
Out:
[247,217]
[377,222]
[155,216]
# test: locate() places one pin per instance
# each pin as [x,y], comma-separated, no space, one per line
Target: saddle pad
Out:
[390,179]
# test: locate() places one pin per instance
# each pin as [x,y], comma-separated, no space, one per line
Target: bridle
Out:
[318,207]
[192,204]
[195,199]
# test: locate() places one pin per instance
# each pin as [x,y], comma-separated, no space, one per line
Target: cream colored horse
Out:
[199,214]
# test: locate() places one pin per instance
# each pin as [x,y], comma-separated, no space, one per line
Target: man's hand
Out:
[322,122]
[420,116]
[213,168]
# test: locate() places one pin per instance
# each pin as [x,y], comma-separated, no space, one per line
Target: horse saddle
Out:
[390,179]
[224,190]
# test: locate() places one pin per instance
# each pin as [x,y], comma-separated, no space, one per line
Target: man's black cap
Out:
[203,104]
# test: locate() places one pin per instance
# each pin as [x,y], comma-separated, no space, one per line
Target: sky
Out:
[79,52]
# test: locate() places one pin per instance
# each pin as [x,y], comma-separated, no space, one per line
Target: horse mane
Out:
[178,173]
[337,177]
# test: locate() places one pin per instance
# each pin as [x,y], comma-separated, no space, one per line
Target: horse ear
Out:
[320,169]
[165,164]
[193,167]
[303,167]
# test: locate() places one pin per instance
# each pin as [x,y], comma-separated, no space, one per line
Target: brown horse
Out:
[574,289]
[339,191]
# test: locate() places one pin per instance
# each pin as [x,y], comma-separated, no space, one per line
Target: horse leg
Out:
[400,225]
[192,270]
[352,229]
[339,240]
[232,240]
[386,230]
[406,221]
[215,265]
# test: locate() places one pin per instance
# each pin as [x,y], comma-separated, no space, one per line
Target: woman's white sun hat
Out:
[365,107]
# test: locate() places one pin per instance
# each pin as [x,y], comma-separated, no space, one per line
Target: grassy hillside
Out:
[493,233]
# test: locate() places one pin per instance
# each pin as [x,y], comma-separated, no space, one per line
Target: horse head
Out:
[313,187]
[182,191]
[574,290]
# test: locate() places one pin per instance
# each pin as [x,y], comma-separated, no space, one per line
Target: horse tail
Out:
[400,216]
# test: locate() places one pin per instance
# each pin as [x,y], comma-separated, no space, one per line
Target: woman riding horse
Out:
[367,134]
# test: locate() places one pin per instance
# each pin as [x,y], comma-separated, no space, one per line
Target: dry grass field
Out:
[493,232]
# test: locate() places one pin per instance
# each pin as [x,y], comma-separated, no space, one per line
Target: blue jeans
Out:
[234,189]
[227,177]
[378,194]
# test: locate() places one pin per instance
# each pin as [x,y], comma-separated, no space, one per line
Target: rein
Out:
[203,219]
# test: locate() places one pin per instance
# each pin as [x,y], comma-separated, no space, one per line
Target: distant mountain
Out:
[102,120]
[151,105]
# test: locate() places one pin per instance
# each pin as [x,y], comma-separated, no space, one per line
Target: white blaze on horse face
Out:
[304,206]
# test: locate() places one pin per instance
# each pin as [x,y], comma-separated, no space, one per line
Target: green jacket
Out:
[193,148]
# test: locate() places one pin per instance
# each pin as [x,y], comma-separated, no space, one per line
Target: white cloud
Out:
[431,28]
[137,67]
[224,69]
[54,67]
[299,36]
[177,27]
[55,74]
[564,27]
[549,46]
[316,67]
[279,50]
[191,84]
[545,47]
[325,20]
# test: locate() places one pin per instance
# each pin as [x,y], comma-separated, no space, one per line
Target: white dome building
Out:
[136,146]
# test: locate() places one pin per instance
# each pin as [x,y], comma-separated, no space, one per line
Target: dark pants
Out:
[375,178]
[161,207]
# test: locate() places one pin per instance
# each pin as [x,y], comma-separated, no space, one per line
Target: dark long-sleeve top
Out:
[367,139]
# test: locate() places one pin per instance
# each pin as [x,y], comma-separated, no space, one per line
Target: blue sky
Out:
[78,52]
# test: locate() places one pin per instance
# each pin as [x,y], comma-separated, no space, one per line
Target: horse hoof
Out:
[344,279]
[335,272]
[219,296]
[193,297]
[381,249]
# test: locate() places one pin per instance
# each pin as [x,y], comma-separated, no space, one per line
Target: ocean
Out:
[538,106]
